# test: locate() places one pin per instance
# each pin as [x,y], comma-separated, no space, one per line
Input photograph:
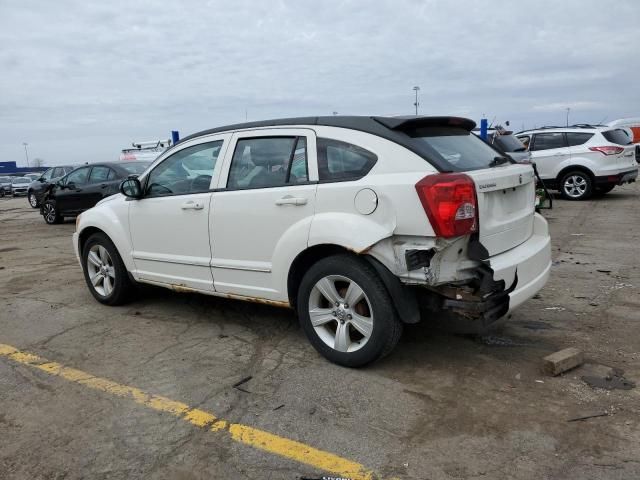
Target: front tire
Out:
[576,185]
[33,200]
[346,311]
[104,271]
[50,213]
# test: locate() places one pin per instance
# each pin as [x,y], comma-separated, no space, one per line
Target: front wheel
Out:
[50,213]
[104,271]
[346,311]
[33,200]
[576,185]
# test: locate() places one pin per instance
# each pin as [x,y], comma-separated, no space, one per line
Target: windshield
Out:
[135,167]
[509,143]
[21,180]
[619,136]
[459,148]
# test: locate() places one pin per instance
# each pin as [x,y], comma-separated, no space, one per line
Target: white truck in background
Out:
[145,151]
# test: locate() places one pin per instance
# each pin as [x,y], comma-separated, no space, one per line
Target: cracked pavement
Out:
[440,407]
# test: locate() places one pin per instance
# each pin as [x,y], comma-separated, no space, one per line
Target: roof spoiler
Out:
[408,123]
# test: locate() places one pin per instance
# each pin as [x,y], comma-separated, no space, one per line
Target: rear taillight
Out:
[608,150]
[449,200]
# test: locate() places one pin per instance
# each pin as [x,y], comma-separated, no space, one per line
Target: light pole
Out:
[568,110]
[416,89]
[26,154]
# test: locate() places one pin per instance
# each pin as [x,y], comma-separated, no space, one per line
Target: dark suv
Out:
[84,187]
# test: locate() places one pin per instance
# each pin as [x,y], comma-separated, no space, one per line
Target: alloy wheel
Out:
[101,270]
[341,313]
[33,201]
[49,212]
[575,186]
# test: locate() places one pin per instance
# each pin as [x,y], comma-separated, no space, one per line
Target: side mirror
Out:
[131,188]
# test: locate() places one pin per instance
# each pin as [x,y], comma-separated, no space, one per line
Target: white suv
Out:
[358,223]
[582,159]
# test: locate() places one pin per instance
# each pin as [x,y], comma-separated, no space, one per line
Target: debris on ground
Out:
[586,417]
[238,384]
[563,360]
[612,381]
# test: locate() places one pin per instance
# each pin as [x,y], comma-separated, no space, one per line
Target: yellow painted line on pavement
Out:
[253,437]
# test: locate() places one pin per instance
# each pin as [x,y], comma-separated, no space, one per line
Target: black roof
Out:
[390,128]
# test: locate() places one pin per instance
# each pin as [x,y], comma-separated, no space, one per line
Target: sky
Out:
[79,80]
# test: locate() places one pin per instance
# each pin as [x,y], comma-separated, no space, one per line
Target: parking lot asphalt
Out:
[147,390]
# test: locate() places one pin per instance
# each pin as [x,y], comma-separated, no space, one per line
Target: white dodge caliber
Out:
[360,224]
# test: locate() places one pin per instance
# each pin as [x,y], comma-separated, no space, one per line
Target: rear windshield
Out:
[460,149]
[508,143]
[135,167]
[619,136]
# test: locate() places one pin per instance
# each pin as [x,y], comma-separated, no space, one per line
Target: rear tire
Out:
[355,334]
[576,185]
[50,213]
[104,271]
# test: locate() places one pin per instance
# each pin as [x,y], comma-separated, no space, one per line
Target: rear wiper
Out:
[498,161]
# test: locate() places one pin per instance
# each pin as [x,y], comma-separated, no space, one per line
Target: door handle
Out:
[290,200]
[191,205]
[104,185]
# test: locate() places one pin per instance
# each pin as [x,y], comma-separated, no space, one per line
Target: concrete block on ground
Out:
[563,360]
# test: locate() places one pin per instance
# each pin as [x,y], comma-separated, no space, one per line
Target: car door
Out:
[97,187]
[262,210]
[549,150]
[169,226]
[68,195]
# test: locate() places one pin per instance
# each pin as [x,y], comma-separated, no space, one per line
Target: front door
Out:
[69,195]
[550,150]
[170,225]
[263,210]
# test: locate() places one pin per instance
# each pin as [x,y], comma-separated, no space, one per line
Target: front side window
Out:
[339,160]
[547,141]
[268,162]
[99,174]
[188,171]
[78,177]
[575,138]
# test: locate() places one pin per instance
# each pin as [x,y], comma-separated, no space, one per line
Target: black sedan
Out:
[39,186]
[84,187]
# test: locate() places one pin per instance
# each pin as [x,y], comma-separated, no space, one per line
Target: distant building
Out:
[11,168]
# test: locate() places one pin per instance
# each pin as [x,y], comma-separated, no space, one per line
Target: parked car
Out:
[507,143]
[19,185]
[32,176]
[84,187]
[39,186]
[582,159]
[361,224]
[5,186]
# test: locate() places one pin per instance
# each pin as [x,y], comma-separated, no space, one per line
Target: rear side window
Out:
[268,162]
[547,141]
[343,161]
[575,139]
[619,136]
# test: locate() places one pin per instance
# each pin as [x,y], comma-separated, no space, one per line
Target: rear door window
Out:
[574,138]
[619,136]
[547,141]
[264,162]
[343,161]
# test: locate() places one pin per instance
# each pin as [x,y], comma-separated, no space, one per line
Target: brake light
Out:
[449,200]
[608,150]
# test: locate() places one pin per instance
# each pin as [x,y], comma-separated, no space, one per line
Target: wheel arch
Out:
[404,299]
[572,168]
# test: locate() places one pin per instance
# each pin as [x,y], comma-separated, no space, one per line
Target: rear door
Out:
[262,210]
[549,150]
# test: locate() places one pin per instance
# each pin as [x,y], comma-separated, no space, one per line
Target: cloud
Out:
[82,81]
